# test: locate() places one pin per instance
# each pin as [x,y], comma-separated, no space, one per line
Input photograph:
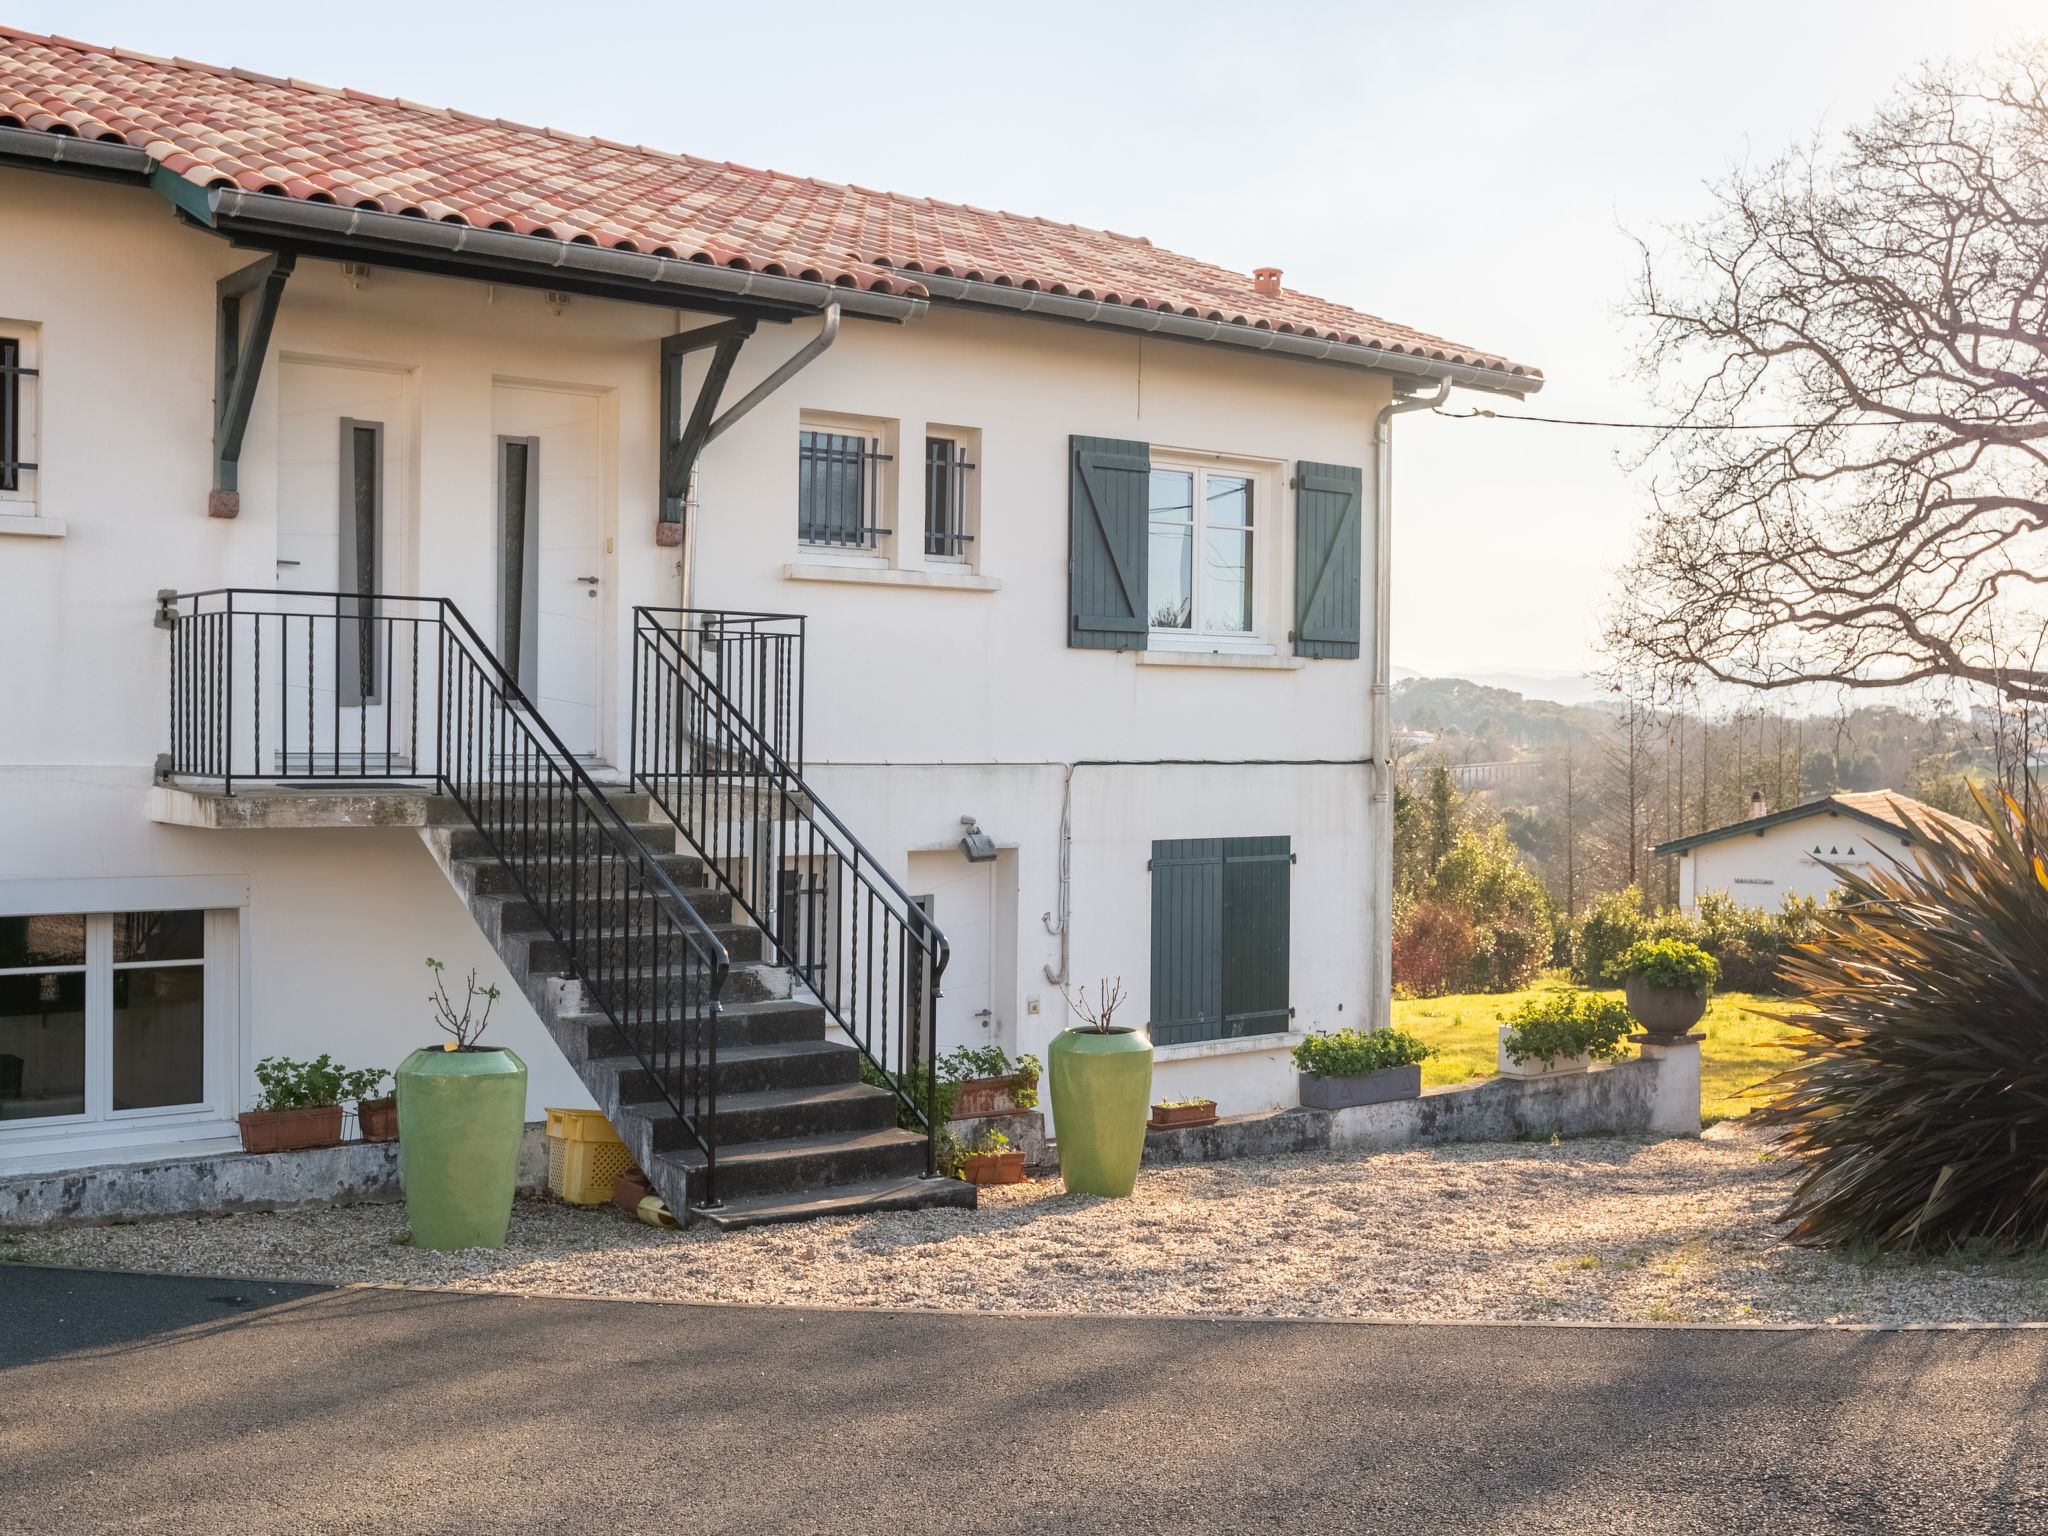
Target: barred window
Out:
[839,488]
[17,413]
[946,471]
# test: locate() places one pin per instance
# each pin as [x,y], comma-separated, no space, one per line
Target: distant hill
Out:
[1550,686]
[1485,710]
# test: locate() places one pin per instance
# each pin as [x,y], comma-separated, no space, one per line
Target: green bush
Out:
[1604,935]
[970,1062]
[1748,943]
[1915,1112]
[1567,1023]
[1669,963]
[1355,1052]
[289,1084]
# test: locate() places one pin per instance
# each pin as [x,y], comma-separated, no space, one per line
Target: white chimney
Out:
[1756,805]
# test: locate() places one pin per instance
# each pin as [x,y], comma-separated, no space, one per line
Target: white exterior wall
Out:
[1760,869]
[926,702]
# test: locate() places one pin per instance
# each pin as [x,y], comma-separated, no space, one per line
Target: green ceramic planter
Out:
[460,1117]
[1101,1096]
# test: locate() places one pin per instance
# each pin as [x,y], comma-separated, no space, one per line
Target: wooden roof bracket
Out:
[238,368]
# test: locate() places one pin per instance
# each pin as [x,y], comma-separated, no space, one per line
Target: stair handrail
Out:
[664,645]
[583,793]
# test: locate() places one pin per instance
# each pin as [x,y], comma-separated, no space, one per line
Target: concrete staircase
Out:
[799,1134]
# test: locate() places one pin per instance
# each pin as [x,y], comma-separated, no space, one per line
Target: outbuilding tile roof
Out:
[1915,819]
[289,138]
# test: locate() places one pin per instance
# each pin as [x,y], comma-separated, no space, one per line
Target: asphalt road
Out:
[163,1405]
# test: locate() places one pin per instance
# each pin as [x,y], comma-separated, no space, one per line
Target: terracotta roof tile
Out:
[263,133]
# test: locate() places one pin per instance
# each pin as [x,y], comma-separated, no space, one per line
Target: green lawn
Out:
[1738,1052]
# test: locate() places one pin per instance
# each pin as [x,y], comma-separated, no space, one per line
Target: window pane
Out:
[42,940]
[10,414]
[1230,500]
[1172,576]
[832,478]
[512,599]
[1173,496]
[363,449]
[159,1037]
[1227,579]
[159,936]
[42,1045]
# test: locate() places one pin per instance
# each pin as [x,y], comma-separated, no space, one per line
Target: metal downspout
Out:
[795,364]
[1380,745]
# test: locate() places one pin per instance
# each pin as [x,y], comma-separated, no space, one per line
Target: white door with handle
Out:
[960,898]
[550,604]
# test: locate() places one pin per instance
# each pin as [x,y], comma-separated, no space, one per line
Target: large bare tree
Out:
[1877,304]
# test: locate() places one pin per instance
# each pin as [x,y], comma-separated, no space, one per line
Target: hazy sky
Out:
[1467,166]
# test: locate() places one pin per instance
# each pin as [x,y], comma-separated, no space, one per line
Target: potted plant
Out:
[989,1082]
[1556,1033]
[299,1107]
[1667,983]
[1178,1114]
[1101,1078]
[461,1110]
[376,1114]
[1349,1067]
[992,1160]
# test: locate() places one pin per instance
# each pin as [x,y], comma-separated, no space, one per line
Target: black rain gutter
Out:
[1161,322]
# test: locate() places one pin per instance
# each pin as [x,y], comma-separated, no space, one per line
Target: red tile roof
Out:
[233,127]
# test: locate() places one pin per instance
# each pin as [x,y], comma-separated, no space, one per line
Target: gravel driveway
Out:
[1598,1229]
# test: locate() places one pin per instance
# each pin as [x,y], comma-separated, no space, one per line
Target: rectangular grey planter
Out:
[1379,1087]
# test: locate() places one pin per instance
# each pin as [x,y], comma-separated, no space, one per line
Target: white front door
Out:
[328,693]
[960,898]
[549,587]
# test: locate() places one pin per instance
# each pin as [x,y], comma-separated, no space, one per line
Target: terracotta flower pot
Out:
[980,1097]
[994,1168]
[377,1119]
[1172,1117]
[290,1130]
[629,1188]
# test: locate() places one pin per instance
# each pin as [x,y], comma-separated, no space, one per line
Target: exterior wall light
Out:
[979,847]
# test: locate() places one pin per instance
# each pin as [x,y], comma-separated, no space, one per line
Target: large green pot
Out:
[1101,1096]
[460,1117]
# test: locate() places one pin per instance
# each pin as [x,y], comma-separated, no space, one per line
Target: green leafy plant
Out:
[914,1085]
[969,1063]
[363,1083]
[466,1028]
[989,1143]
[1564,1023]
[1356,1052]
[1181,1103]
[1915,1109]
[289,1084]
[1670,963]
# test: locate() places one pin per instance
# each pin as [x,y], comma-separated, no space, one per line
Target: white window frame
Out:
[21,502]
[69,1140]
[1267,512]
[881,435]
[966,466]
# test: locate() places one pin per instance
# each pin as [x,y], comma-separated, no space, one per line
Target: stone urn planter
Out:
[377,1119]
[1101,1089]
[460,1116]
[1175,1117]
[290,1130]
[1381,1087]
[1536,1066]
[1666,1013]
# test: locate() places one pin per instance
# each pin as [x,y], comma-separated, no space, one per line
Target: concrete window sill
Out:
[1251,661]
[1236,1045]
[28,525]
[888,576]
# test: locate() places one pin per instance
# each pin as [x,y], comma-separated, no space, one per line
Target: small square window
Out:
[840,487]
[19,375]
[950,498]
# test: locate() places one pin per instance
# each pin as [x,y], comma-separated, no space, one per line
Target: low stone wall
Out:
[1657,1094]
[354,1173]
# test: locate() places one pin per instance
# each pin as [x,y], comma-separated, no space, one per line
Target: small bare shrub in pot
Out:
[1667,983]
[1555,1033]
[1349,1067]
[300,1106]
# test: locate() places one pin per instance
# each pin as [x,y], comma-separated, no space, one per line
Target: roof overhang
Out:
[1758,825]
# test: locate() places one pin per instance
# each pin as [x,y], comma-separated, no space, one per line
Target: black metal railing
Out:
[754,659]
[297,687]
[839,489]
[852,937]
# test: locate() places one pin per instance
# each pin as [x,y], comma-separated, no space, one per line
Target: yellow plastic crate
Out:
[584,1156]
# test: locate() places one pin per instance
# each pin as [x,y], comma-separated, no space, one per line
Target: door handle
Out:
[287,562]
[588,580]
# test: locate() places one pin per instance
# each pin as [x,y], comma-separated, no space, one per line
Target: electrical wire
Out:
[1661,426]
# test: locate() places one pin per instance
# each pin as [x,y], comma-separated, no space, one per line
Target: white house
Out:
[1795,852]
[377,481]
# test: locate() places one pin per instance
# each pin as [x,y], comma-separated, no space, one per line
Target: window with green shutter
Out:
[1220,911]
[1329,571]
[1109,517]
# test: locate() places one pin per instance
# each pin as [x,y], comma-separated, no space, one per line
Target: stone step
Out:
[804,1163]
[587,1035]
[914,1193]
[443,811]
[778,1114]
[644,949]
[527,840]
[489,877]
[785,1064]
[518,915]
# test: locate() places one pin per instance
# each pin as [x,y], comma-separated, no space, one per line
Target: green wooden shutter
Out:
[1187,940]
[1110,493]
[1329,504]
[1257,876]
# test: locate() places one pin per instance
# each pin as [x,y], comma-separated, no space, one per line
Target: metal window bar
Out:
[453,719]
[870,955]
[839,489]
[945,499]
[12,464]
